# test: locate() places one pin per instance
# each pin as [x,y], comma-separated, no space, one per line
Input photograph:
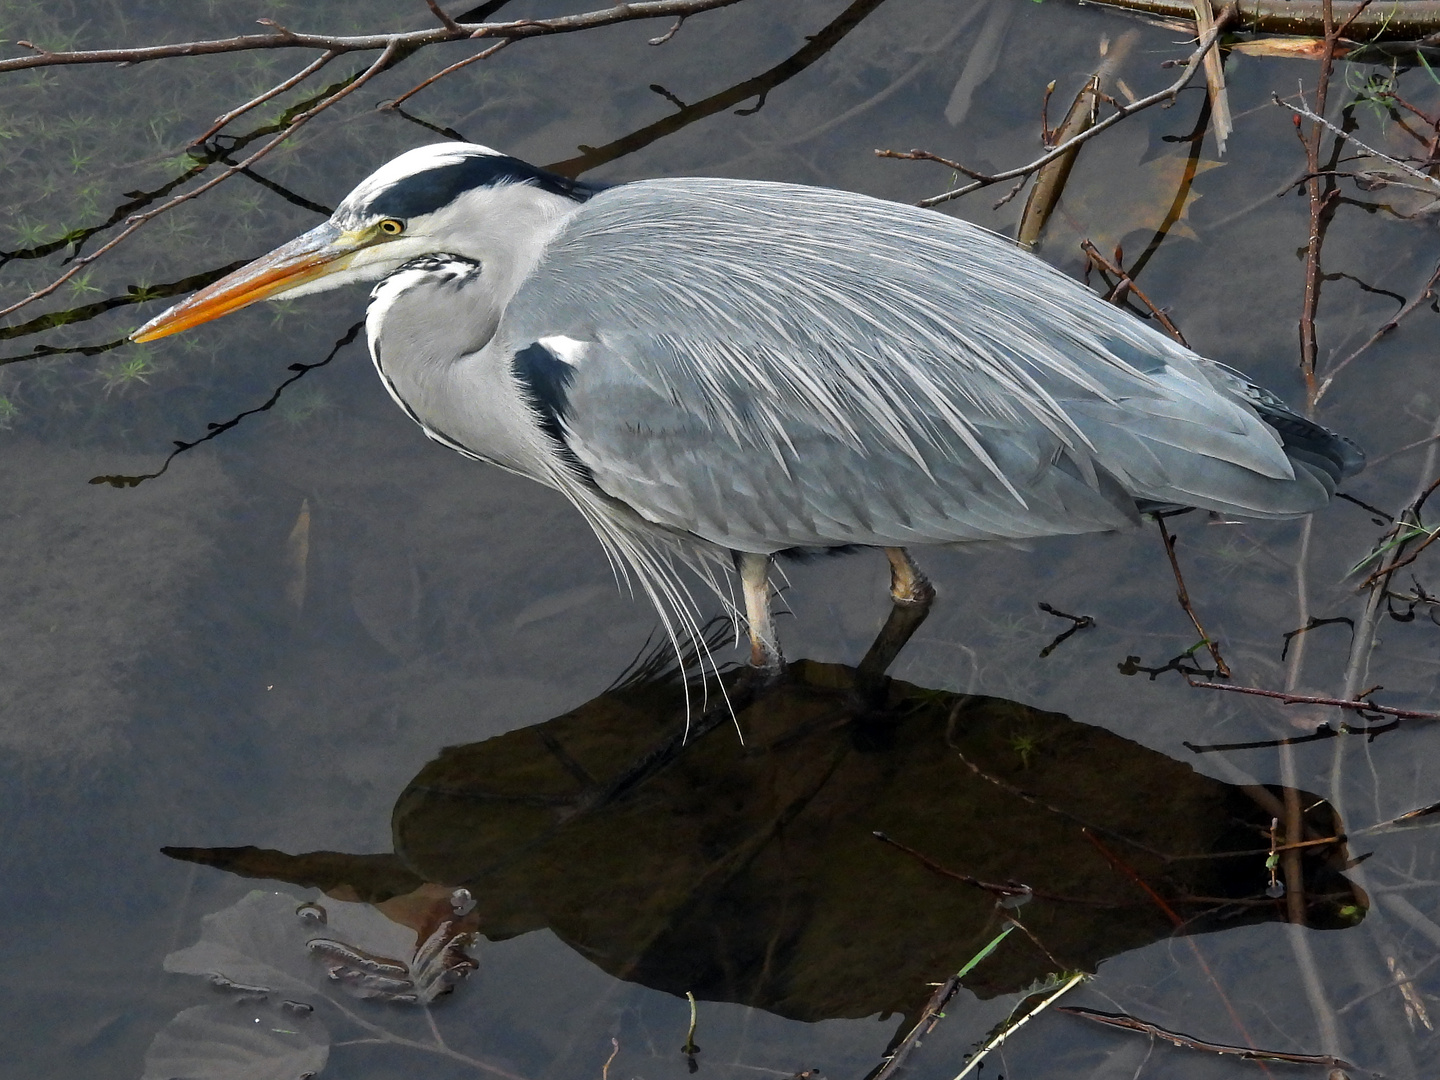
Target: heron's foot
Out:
[908,583]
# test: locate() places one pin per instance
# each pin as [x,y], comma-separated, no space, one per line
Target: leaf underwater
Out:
[233,1041]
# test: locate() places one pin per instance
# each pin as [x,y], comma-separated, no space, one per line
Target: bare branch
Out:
[1390,324]
[925,155]
[483,54]
[286,39]
[1130,1023]
[1386,22]
[1123,278]
[1192,65]
[275,91]
[1430,183]
[391,46]
[445,20]
[663,38]
[137,222]
[1365,706]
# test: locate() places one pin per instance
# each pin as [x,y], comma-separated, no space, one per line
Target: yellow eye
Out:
[391,227]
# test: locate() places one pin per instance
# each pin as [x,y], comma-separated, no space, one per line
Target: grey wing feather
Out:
[876,374]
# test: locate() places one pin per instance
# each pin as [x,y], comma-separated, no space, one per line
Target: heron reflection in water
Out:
[718,371]
[673,856]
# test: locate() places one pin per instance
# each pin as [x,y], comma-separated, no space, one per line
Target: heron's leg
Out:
[755,581]
[908,584]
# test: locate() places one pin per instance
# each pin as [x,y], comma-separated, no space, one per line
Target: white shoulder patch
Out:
[568,349]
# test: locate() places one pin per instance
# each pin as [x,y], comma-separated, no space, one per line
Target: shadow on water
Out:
[864,840]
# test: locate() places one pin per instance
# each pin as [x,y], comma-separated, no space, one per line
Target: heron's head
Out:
[427,201]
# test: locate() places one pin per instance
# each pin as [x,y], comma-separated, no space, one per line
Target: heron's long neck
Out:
[431,318]
[516,223]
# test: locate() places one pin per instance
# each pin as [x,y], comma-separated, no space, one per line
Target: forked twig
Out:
[274,92]
[1128,283]
[483,54]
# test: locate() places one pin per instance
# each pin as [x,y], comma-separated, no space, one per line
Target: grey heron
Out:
[715,371]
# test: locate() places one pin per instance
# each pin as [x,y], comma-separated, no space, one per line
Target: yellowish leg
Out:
[908,585]
[755,581]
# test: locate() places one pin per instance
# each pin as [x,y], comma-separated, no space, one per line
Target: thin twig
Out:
[1008,894]
[1322,198]
[139,220]
[980,180]
[483,54]
[1430,183]
[1128,282]
[275,91]
[1176,1038]
[1125,869]
[1425,294]
[663,38]
[931,1015]
[1361,706]
[445,20]
[1183,595]
[216,429]
[286,39]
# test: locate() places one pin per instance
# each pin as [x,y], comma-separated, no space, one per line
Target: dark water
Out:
[257,660]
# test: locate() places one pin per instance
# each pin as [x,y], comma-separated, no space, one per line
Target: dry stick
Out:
[816,46]
[1176,1038]
[275,91]
[1356,673]
[980,180]
[1425,294]
[1431,536]
[931,1015]
[483,54]
[1124,279]
[1221,122]
[1183,595]
[1322,196]
[1050,180]
[1361,706]
[281,38]
[139,220]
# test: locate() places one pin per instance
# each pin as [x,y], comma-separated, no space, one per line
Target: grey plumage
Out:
[708,366]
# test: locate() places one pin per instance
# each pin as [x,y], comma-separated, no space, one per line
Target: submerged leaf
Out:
[239,1042]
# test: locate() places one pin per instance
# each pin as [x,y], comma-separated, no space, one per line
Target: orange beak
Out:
[321,251]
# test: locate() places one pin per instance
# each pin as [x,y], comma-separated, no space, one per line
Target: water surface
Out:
[269,645]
